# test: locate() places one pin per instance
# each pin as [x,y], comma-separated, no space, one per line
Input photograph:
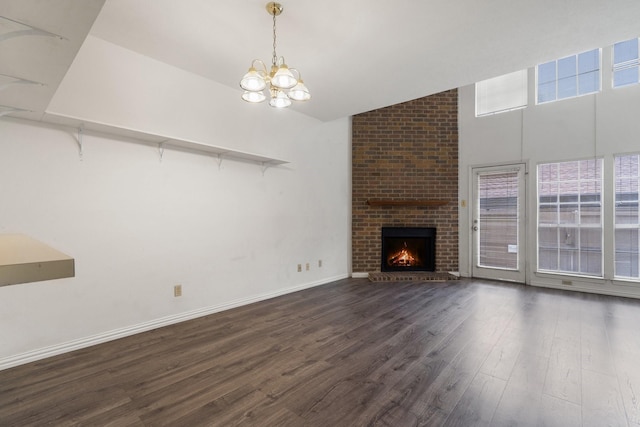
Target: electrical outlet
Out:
[307,267]
[299,268]
[177,291]
[319,263]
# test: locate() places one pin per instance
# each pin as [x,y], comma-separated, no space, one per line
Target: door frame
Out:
[519,275]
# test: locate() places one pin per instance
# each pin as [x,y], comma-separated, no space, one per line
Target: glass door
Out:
[498,223]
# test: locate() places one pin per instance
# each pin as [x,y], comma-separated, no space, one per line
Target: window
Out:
[570,217]
[498,218]
[625,63]
[569,77]
[627,179]
[500,94]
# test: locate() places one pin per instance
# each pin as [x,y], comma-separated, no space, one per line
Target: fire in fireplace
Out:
[408,249]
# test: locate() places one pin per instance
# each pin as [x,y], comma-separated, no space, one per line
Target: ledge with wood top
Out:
[407,202]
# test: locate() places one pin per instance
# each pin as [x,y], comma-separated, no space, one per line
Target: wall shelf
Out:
[407,202]
[162,141]
[23,260]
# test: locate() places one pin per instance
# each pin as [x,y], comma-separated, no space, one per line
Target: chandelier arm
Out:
[259,61]
[296,70]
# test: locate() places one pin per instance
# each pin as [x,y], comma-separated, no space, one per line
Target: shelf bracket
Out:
[79,141]
[18,81]
[29,31]
[5,110]
[220,158]
[161,148]
[264,166]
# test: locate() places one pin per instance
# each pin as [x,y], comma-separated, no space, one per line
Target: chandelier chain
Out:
[274,59]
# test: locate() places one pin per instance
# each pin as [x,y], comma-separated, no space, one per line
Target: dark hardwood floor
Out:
[356,353]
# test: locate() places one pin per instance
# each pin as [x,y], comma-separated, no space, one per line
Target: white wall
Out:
[137,225]
[601,125]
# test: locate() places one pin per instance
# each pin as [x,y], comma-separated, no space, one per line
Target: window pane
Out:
[591,262]
[568,237]
[627,201]
[625,77]
[548,214]
[569,214]
[498,220]
[547,72]
[590,169]
[569,261]
[547,82]
[548,172]
[590,214]
[590,240]
[548,249]
[589,72]
[569,171]
[588,83]
[567,83]
[589,61]
[627,253]
[547,92]
[626,212]
[567,67]
[625,51]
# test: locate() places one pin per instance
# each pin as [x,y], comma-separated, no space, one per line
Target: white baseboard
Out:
[54,350]
[356,275]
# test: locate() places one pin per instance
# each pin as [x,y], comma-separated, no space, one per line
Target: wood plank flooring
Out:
[356,353]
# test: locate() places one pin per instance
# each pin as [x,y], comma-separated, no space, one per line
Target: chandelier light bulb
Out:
[253,81]
[253,96]
[283,78]
[299,92]
[280,100]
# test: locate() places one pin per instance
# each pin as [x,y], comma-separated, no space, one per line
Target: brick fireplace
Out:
[405,174]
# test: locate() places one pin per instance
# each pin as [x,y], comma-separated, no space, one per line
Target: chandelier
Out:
[281,83]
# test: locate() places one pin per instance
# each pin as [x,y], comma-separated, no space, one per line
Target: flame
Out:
[403,258]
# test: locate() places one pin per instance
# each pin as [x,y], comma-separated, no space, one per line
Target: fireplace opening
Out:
[408,249]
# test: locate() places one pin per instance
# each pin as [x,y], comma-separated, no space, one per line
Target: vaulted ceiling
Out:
[354,55]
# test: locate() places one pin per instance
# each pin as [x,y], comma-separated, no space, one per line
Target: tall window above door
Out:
[570,217]
[568,77]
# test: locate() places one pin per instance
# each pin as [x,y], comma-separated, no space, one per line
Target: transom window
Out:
[569,77]
[500,94]
[625,63]
[570,217]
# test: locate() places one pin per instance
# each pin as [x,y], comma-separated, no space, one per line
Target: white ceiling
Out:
[354,55]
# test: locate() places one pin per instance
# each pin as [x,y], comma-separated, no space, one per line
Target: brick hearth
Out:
[406,152]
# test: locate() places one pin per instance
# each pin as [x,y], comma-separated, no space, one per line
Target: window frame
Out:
[575,77]
[577,225]
[625,225]
[625,65]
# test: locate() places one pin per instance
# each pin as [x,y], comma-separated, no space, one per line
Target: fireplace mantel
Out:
[407,202]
